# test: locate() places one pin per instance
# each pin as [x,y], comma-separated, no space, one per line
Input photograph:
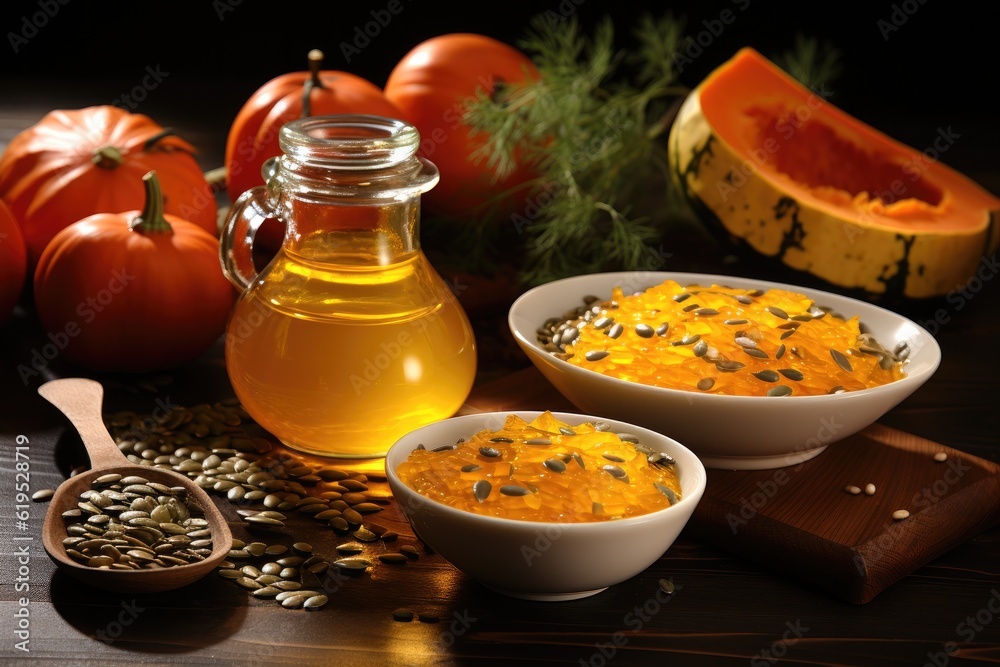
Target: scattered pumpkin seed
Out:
[899,515]
[853,490]
[940,456]
[870,489]
[403,615]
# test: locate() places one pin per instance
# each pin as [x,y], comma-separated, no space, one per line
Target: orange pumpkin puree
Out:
[545,470]
[720,340]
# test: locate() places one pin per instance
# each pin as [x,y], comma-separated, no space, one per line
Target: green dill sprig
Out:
[593,127]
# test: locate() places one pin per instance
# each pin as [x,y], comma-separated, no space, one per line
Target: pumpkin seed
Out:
[489,452]
[481,490]
[615,330]
[766,375]
[899,515]
[315,602]
[616,471]
[841,360]
[403,615]
[514,490]
[792,373]
[471,467]
[735,321]
[644,330]
[596,355]
[728,365]
[667,491]
[393,558]
[940,456]
[555,465]
[777,312]
[706,383]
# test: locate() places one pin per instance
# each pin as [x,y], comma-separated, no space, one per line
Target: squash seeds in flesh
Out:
[581,468]
[736,331]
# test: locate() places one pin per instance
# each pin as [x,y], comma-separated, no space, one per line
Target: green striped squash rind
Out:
[758,214]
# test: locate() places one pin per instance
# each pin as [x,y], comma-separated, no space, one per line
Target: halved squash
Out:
[796,179]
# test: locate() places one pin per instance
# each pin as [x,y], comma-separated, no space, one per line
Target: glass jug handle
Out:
[249,211]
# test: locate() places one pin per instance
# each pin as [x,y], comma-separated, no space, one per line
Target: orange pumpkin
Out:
[13,262]
[253,136]
[785,174]
[136,291]
[431,85]
[73,163]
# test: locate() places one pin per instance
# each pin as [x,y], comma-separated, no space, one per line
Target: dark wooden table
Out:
[726,609]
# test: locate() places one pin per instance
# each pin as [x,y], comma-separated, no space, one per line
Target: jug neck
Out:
[349,186]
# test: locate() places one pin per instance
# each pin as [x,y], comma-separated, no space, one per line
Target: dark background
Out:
[936,70]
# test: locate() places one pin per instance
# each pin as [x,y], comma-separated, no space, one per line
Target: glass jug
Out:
[349,338]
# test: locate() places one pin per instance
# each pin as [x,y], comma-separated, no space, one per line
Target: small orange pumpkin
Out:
[136,291]
[253,136]
[73,163]
[13,262]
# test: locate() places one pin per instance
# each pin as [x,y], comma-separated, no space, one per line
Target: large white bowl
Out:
[733,432]
[537,560]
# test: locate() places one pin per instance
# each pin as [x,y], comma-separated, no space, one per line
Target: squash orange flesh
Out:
[831,160]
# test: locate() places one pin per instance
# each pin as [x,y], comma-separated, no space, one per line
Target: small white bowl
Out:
[732,432]
[536,560]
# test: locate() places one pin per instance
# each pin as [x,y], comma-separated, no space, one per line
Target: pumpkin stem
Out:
[315,61]
[107,157]
[150,219]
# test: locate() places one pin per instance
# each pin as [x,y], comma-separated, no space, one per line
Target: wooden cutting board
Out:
[801,521]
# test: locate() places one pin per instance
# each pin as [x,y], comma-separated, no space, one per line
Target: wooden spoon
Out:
[80,400]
